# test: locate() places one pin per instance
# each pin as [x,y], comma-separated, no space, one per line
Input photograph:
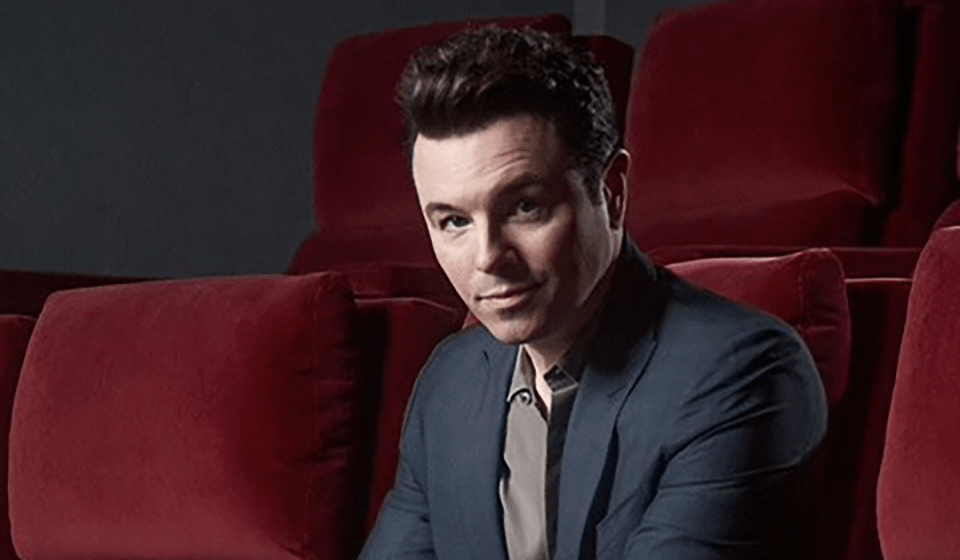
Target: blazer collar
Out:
[624,343]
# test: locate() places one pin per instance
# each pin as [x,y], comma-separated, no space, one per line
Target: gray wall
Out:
[172,138]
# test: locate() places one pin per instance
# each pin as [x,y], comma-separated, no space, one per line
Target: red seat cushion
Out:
[918,500]
[217,418]
[805,290]
[762,122]
[14,334]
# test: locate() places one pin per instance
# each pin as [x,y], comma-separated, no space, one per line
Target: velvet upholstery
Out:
[14,333]
[858,422]
[398,336]
[804,289]
[918,500]
[762,122]
[211,418]
[928,172]
[858,262]
[949,217]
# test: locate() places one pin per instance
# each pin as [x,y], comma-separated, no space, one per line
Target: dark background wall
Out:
[173,138]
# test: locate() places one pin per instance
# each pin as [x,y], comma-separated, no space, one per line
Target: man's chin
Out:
[511,332]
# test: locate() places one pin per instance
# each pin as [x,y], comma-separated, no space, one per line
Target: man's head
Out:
[516,166]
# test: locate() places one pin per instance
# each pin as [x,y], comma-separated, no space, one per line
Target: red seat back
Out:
[919,488]
[212,418]
[14,334]
[928,177]
[762,122]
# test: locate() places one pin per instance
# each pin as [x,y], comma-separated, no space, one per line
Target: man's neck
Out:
[546,353]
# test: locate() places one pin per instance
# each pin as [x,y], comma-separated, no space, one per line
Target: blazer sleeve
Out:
[402,531]
[741,464]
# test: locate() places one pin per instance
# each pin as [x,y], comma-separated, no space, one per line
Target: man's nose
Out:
[493,249]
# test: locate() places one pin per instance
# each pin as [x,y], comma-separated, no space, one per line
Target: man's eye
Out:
[453,222]
[527,209]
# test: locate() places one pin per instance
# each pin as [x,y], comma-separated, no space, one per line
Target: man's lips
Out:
[503,294]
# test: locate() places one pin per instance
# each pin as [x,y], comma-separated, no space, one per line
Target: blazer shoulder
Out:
[455,359]
[460,346]
[714,339]
[733,356]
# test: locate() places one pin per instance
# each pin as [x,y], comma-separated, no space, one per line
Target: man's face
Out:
[513,228]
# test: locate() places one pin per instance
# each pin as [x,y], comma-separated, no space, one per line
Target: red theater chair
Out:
[918,501]
[805,123]
[212,418]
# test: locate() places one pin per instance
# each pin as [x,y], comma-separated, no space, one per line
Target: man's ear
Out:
[615,187]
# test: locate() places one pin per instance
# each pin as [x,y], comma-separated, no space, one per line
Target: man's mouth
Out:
[507,297]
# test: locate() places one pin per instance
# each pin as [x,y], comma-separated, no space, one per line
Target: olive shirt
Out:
[532,448]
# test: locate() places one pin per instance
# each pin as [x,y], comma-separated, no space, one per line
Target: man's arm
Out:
[739,475]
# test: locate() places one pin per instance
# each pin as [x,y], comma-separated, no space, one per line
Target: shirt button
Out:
[525,397]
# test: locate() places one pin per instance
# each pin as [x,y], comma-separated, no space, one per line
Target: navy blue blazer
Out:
[692,436]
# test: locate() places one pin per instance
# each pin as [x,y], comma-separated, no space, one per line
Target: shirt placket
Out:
[563,389]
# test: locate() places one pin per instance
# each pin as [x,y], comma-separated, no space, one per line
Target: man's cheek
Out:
[456,269]
[546,251]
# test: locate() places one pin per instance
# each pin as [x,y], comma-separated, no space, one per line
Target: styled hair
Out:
[481,75]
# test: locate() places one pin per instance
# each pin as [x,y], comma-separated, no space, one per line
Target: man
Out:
[604,409]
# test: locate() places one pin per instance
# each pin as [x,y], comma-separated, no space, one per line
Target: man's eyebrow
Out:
[436,207]
[515,184]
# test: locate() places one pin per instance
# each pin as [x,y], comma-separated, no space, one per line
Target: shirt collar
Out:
[522,375]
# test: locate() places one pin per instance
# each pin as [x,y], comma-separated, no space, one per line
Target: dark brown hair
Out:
[484,74]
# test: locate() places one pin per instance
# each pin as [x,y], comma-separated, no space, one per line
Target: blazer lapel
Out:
[623,345]
[481,463]
[595,411]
